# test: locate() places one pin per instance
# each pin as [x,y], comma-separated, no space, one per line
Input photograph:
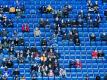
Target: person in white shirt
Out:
[37,32]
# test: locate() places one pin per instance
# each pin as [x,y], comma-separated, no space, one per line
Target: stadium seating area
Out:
[68,51]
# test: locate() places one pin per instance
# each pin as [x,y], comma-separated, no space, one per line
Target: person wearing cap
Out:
[37,32]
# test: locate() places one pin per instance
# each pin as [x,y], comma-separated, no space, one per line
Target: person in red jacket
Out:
[94,54]
[25,27]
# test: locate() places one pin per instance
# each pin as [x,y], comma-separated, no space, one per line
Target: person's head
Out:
[98,77]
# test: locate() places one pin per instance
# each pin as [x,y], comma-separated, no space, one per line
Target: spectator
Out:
[12,10]
[11,50]
[78,63]
[4,33]
[37,32]
[49,9]
[98,77]
[95,54]
[34,68]
[51,73]
[43,58]
[16,41]
[95,7]
[100,54]
[9,64]
[20,57]
[23,78]
[105,77]
[16,72]
[21,41]
[42,9]
[5,42]
[25,28]
[92,37]
[1,9]
[6,9]
[44,44]
[62,72]
[105,13]
[43,22]
[86,78]
[103,36]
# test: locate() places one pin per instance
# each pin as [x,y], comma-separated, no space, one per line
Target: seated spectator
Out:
[105,77]
[12,10]
[5,42]
[9,64]
[37,32]
[7,22]
[21,58]
[50,73]
[6,73]
[86,78]
[77,42]
[62,72]
[49,9]
[105,13]
[92,37]
[43,58]
[6,9]
[43,22]
[4,33]
[66,10]
[16,41]
[43,44]
[23,78]
[21,41]
[25,28]
[70,36]
[103,36]
[78,63]
[11,50]
[1,47]
[57,14]
[16,72]
[96,7]
[95,54]
[64,36]
[4,78]
[100,54]
[98,78]
[34,68]
[1,9]
[75,63]
[42,9]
